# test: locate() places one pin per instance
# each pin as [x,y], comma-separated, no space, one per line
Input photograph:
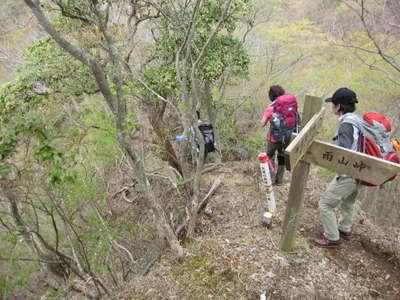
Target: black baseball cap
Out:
[343,96]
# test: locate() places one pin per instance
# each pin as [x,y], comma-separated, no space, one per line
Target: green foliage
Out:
[238,127]
[48,71]
[212,11]
[80,10]
[160,79]
[298,52]
[14,273]
[43,149]
[97,240]
[226,126]
[324,172]
[47,63]
[101,135]
[184,181]
[4,170]
[225,52]
[47,76]
[79,157]
[257,141]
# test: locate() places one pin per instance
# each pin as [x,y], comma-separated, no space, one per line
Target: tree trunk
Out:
[155,116]
[164,229]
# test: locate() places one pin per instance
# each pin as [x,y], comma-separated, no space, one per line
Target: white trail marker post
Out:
[265,165]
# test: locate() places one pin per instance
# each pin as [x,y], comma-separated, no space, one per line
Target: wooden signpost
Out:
[304,150]
[312,106]
[298,147]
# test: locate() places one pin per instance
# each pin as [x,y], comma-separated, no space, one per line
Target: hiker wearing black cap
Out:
[343,189]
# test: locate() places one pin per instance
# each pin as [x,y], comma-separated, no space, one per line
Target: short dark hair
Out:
[275,91]
[346,108]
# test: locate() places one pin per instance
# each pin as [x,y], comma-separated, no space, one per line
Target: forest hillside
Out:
[233,256]
[104,189]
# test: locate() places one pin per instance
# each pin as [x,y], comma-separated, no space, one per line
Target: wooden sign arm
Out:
[355,164]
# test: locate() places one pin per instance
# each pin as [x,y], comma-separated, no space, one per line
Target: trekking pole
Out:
[265,165]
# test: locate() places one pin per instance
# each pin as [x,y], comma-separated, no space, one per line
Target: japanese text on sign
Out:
[343,160]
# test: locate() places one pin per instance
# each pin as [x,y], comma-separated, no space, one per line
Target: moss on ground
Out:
[203,278]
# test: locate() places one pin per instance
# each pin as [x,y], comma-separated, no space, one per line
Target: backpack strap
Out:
[356,122]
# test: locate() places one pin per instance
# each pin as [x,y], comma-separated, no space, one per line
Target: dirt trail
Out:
[233,257]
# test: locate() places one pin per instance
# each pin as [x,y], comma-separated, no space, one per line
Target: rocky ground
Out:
[233,257]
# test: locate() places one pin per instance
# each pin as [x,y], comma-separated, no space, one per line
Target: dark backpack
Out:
[207,131]
[285,118]
[375,139]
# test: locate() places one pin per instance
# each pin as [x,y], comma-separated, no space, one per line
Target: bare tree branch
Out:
[363,13]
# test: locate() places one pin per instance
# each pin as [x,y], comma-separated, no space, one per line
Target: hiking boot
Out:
[346,235]
[322,241]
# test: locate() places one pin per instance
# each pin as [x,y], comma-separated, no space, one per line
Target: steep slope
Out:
[233,257]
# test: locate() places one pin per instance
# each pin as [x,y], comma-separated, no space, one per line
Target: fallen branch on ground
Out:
[202,205]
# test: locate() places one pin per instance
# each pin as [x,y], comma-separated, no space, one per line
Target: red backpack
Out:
[285,118]
[375,139]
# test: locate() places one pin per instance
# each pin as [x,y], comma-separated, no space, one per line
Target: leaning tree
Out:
[158,59]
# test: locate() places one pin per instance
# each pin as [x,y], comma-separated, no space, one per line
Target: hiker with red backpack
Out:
[369,135]
[284,120]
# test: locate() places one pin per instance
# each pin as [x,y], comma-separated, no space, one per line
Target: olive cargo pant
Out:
[342,191]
